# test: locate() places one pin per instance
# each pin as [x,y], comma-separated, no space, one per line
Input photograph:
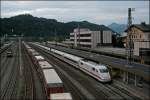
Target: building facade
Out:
[140,38]
[86,38]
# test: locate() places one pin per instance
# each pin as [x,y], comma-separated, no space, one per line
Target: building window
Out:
[140,36]
[96,70]
[93,69]
[72,35]
[84,35]
[88,46]
[85,40]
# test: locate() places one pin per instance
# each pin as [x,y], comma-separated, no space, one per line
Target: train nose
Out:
[105,76]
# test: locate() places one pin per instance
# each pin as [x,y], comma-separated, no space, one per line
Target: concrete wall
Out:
[107,37]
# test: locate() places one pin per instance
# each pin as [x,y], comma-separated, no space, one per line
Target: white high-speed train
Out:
[98,71]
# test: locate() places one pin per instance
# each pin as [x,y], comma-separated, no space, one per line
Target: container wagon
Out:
[53,83]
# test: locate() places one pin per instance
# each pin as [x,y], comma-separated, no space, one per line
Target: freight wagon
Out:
[53,83]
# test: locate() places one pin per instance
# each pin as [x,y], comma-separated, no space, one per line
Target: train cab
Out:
[104,74]
[98,71]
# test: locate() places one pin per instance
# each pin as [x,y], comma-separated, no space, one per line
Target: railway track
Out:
[9,78]
[4,66]
[3,58]
[3,62]
[78,83]
[28,78]
[34,89]
[110,91]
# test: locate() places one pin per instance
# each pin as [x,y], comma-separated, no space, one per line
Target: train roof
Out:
[31,50]
[28,47]
[35,53]
[60,96]
[39,57]
[44,64]
[75,58]
[57,51]
[41,46]
[52,78]
[93,64]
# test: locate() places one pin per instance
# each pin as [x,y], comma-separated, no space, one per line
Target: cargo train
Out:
[50,79]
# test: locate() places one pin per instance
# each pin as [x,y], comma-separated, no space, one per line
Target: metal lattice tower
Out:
[129,40]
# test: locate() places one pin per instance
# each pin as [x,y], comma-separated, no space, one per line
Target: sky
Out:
[98,12]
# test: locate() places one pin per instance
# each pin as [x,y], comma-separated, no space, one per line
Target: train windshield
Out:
[103,70]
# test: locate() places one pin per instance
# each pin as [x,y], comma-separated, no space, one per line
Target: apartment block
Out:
[84,37]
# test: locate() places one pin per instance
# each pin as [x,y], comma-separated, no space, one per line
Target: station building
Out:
[84,37]
[140,38]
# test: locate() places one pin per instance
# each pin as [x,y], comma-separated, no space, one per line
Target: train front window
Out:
[103,70]
[81,63]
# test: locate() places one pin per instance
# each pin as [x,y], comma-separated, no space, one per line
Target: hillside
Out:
[33,26]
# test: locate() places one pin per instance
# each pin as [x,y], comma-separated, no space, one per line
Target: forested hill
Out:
[33,26]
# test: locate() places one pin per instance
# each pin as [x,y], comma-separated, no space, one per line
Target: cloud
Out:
[99,12]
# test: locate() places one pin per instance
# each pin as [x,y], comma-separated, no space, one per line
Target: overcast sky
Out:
[99,12]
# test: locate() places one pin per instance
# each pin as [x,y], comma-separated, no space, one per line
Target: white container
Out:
[39,58]
[61,96]
[45,64]
[52,78]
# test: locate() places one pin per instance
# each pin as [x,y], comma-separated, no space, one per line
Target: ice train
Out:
[98,71]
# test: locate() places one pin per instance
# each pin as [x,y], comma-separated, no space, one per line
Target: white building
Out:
[92,39]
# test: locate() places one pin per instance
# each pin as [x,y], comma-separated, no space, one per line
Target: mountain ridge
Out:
[34,26]
[119,28]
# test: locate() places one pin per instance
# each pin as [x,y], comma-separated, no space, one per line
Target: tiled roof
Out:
[143,27]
